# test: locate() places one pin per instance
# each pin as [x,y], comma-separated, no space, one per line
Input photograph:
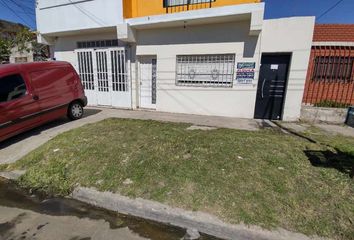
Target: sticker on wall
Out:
[274,66]
[245,72]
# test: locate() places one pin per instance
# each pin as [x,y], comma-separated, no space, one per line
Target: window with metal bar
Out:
[171,3]
[98,44]
[214,70]
[333,68]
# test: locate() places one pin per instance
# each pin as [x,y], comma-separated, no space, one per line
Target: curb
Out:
[158,212]
[12,175]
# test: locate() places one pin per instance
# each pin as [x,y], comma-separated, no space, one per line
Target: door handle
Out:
[263,87]
[35,97]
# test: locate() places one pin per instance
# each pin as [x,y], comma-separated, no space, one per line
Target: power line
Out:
[330,9]
[30,7]
[88,14]
[21,7]
[8,7]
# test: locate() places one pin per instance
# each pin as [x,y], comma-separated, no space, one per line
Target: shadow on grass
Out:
[342,161]
[36,131]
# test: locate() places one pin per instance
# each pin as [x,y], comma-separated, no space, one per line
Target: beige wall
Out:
[288,35]
[292,35]
[23,54]
[64,48]
[237,101]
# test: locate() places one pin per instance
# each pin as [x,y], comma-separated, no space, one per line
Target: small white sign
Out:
[274,66]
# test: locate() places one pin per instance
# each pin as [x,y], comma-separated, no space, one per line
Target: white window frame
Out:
[207,70]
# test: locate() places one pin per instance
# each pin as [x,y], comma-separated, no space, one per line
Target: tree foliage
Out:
[5,49]
[25,41]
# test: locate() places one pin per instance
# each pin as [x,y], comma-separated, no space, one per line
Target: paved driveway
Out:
[13,149]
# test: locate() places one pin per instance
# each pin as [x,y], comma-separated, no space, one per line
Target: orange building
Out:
[140,8]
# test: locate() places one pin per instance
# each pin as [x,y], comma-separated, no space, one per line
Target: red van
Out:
[35,93]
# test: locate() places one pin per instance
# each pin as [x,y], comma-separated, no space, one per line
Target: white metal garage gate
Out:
[105,77]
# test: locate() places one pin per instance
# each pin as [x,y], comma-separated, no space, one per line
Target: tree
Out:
[5,49]
[25,41]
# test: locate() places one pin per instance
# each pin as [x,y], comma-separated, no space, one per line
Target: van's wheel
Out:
[75,110]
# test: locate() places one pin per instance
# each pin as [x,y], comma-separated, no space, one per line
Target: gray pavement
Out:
[13,149]
[333,129]
[23,224]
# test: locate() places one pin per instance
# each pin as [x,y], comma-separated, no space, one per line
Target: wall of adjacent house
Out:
[289,35]
[21,56]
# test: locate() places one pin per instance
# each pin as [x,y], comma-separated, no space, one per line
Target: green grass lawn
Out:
[263,178]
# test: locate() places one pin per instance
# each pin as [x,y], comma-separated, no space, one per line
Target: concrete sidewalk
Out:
[15,148]
[332,129]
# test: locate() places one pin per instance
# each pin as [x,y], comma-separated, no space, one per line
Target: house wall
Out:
[64,48]
[15,53]
[338,90]
[289,35]
[333,41]
[333,33]
[205,39]
[69,15]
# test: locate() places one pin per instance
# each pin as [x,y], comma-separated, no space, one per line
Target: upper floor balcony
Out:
[143,8]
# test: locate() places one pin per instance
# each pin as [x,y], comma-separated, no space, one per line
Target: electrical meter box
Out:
[350,117]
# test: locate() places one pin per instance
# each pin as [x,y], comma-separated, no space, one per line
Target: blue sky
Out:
[23,10]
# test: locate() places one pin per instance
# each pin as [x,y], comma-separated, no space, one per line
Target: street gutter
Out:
[158,212]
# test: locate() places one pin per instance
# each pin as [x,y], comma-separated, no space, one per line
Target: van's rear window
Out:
[12,87]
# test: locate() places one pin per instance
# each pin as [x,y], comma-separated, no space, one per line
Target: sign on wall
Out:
[245,72]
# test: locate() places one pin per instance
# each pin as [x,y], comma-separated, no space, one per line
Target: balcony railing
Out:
[173,6]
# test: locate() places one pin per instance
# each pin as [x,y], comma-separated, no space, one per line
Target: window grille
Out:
[333,68]
[98,44]
[216,70]
[171,3]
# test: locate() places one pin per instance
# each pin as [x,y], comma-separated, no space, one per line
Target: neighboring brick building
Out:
[330,76]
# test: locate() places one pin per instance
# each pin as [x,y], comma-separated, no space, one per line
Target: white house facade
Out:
[212,57]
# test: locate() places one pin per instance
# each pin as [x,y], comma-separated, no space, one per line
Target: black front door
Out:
[272,85]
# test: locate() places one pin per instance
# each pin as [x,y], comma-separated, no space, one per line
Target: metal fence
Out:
[330,77]
[173,6]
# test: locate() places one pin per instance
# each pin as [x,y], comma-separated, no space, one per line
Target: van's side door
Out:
[19,108]
[55,89]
